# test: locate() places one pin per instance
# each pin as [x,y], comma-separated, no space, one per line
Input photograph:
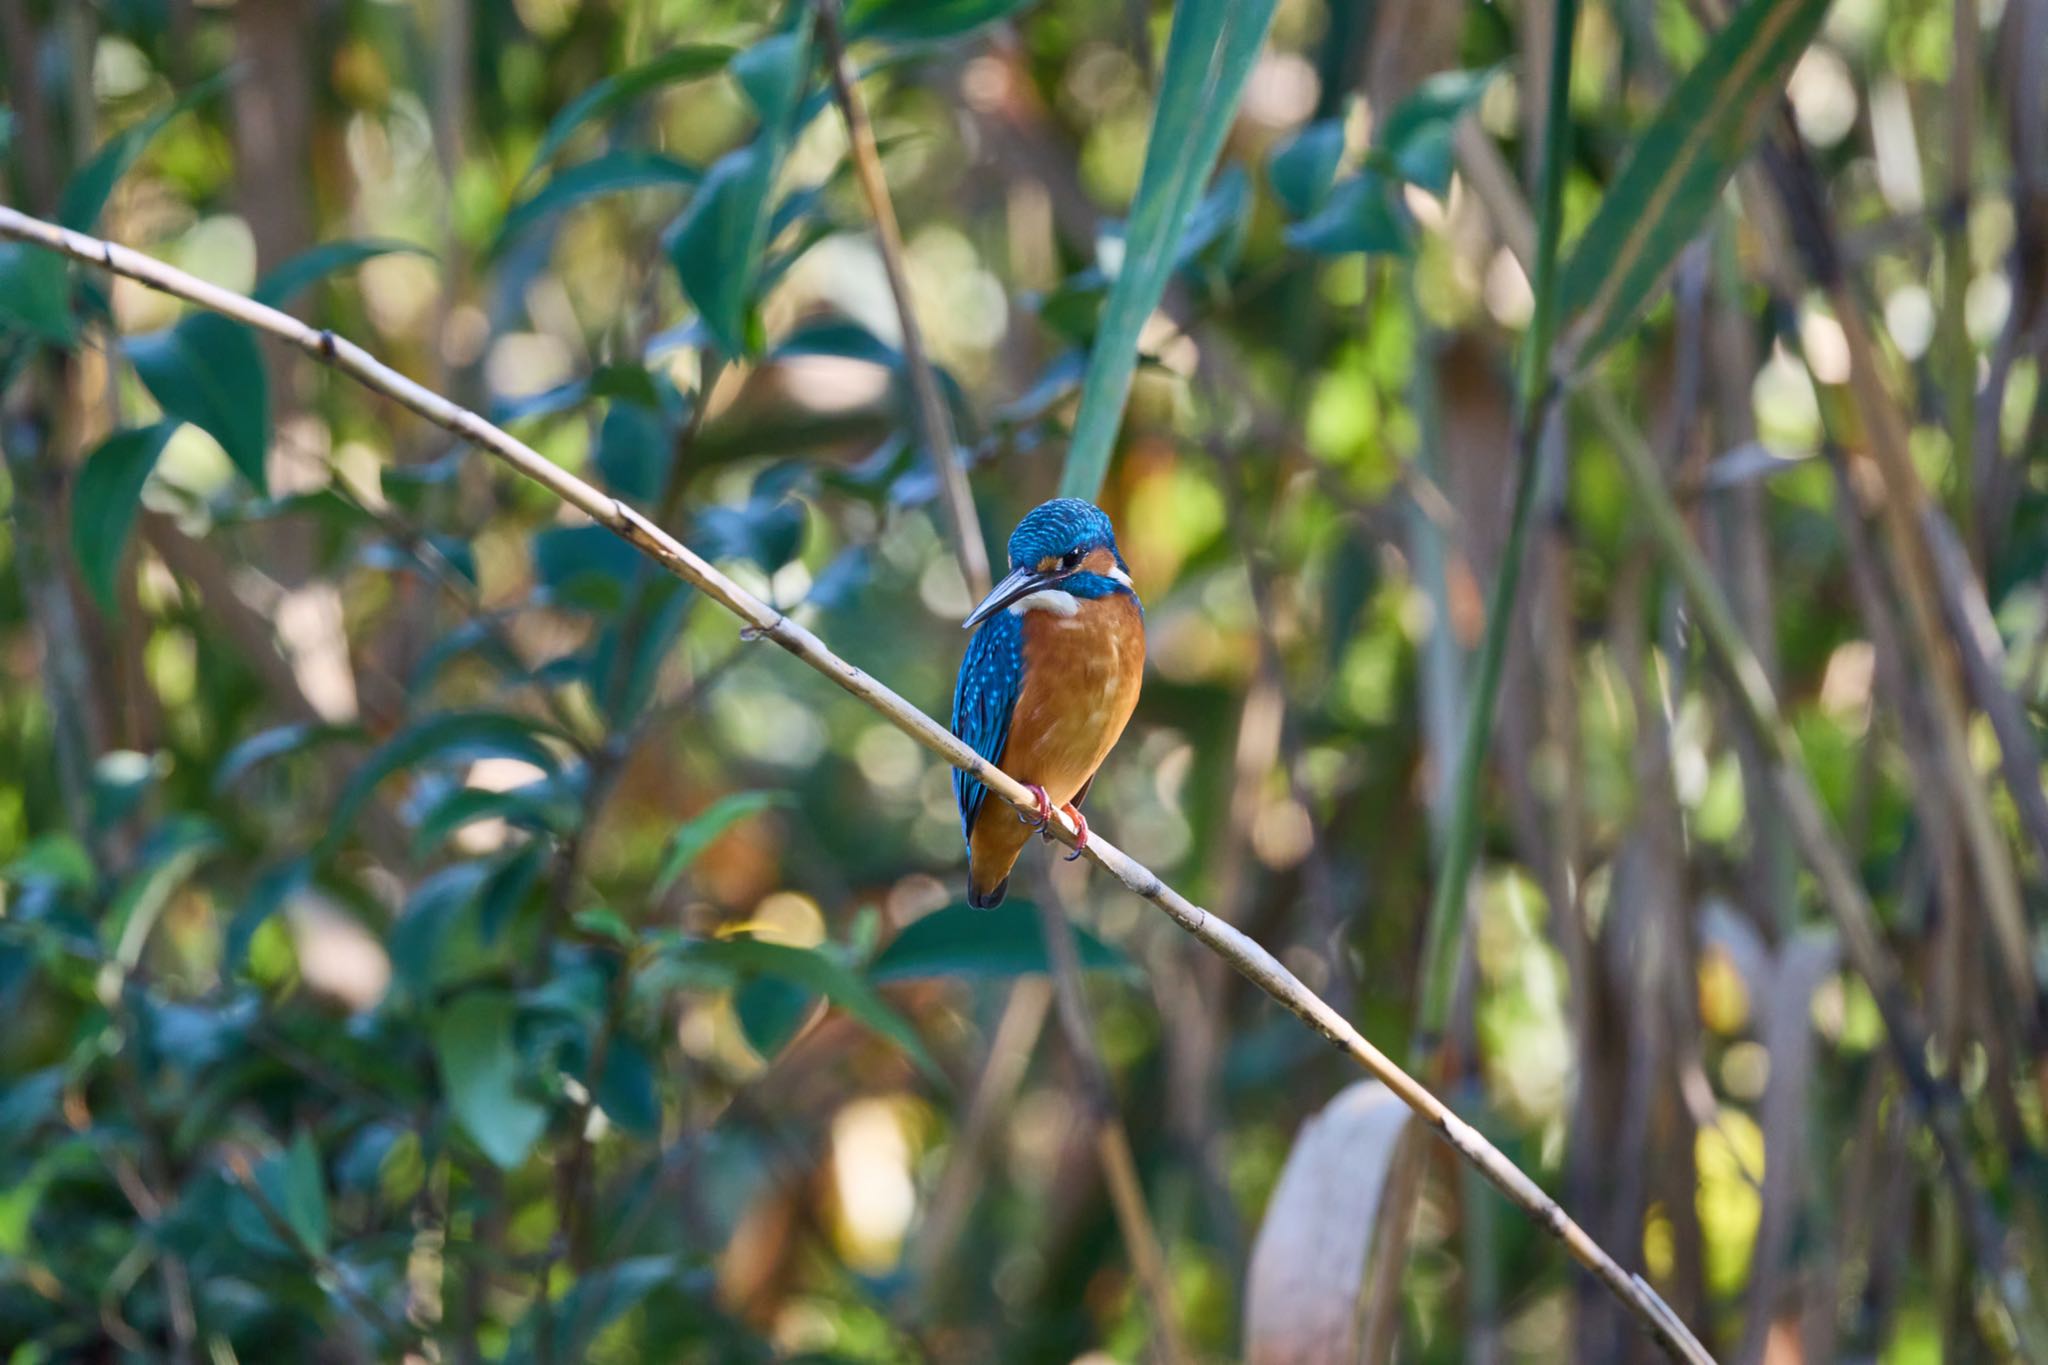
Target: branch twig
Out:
[933,421]
[1244,954]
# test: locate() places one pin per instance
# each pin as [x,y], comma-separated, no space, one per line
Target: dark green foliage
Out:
[429,930]
[207,371]
[108,497]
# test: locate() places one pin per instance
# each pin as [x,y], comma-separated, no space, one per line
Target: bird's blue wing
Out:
[984,699]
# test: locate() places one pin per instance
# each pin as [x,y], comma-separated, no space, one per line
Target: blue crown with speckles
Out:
[1057,527]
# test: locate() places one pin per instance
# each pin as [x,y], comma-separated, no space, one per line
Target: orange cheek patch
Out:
[1099,561]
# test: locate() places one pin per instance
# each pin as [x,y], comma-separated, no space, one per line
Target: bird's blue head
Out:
[1066,545]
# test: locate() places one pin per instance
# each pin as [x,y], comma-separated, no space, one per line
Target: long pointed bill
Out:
[1020,584]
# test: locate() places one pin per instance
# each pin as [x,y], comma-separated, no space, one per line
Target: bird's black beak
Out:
[1019,585]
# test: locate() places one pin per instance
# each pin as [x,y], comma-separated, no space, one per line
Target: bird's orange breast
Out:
[1082,672]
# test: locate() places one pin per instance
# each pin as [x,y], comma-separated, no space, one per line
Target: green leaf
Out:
[688,843]
[716,245]
[275,743]
[1359,216]
[304,1202]
[435,941]
[1673,175]
[1302,171]
[601,921]
[815,971]
[479,1059]
[963,941]
[770,1012]
[923,21]
[78,208]
[592,1303]
[168,857]
[508,886]
[106,500]
[625,1088]
[633,451]
[1216,228]
[444,737]
[1209,54]
[35,293]
[611,173]
[208,371]
[308,268]
[690,62]
[542,805]
[56,859]
[1416,138]
[266,898]
[584,566]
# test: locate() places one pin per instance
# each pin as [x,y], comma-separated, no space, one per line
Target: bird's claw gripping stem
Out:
[1080,830]
[1042,821]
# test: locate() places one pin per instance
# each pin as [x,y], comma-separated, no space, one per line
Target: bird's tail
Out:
[991,852]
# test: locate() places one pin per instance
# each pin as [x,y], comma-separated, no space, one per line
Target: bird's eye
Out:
[1071,559]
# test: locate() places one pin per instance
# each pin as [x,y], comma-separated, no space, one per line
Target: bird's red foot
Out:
[1042,822]
[1080,830]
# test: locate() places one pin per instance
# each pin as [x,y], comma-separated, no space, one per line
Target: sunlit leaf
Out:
[1673,175]
[1209,55]
[479,1059]
[208,371]
[106,501]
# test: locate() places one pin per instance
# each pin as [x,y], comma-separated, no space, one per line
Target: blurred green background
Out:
[427,932]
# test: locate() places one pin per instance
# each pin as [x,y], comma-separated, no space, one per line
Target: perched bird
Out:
[1049,681]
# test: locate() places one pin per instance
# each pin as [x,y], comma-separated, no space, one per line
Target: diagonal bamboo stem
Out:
[1244,954]
[933,421]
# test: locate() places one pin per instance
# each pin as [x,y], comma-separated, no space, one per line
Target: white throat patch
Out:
[1048,599]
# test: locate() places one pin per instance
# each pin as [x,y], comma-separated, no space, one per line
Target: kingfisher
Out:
[1049,682]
